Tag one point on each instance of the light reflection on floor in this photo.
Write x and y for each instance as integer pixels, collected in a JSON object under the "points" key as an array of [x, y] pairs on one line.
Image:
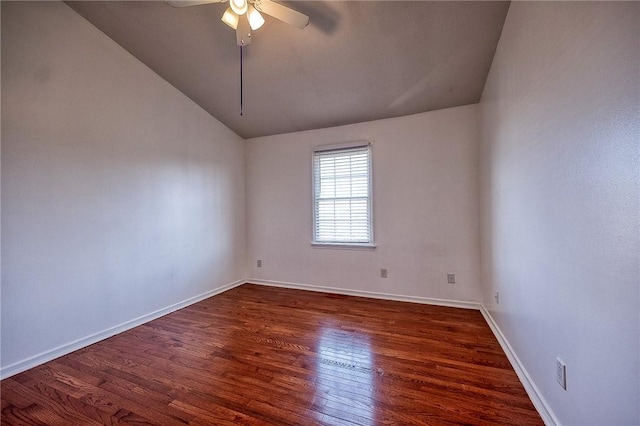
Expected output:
{"points": [[345, 381]]}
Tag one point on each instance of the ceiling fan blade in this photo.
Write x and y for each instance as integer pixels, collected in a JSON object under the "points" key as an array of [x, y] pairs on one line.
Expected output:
{"points": [[282, 13], [186, 3], [243, 32]]}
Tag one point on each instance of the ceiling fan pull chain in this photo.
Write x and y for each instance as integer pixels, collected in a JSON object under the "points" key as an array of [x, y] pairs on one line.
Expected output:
{"points": [[241, 80]]}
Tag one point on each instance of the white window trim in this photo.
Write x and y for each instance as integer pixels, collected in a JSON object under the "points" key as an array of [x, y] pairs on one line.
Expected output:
{"points": [[346, 245]]}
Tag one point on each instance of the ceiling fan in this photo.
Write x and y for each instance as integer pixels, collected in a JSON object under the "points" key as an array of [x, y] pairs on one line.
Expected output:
{"points": [[244, 15]]}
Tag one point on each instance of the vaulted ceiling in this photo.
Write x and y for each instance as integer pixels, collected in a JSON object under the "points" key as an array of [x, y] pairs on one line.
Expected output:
{"points": [[356, 61]]}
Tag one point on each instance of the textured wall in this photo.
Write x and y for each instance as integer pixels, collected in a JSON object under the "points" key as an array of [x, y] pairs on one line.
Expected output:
{"points": [[120, 196], [425, 207], [560, 202]]}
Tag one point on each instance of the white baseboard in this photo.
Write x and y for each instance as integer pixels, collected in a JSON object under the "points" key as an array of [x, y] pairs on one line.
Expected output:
{"points": [[537, 399], [369, 294], [67, 348]]}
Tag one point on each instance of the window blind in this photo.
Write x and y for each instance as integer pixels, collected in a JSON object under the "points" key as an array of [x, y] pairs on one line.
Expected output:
{"points": [[342, 195]]}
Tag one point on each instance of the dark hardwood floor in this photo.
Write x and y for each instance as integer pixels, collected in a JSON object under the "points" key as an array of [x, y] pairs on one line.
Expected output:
{"points": [[260, 355]]}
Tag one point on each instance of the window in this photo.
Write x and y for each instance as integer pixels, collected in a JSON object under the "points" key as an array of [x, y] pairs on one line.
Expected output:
{"points": [[342, 195]]}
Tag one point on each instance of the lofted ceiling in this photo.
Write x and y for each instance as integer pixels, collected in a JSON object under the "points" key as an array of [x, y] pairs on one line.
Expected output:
{"points": [[356, 61]]}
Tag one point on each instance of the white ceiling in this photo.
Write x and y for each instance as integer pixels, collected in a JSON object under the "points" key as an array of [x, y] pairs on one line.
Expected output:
{"points": [[356, 61]]}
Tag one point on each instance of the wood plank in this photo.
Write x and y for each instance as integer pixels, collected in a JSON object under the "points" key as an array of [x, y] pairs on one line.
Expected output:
{"points": [[260, 355]]}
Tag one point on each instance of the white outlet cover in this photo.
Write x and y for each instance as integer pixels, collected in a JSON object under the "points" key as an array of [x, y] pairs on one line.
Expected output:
{"points": [[561, 373]]}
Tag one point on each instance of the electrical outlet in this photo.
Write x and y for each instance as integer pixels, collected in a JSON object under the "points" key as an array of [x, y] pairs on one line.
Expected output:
{"points": [[259, 263], [497, 297], [383, 273], [451, 278], [561, 373]]}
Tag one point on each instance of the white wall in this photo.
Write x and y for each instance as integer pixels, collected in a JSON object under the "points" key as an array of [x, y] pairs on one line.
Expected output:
{"points": [[561, 193], [120, 196], [425, 208]]}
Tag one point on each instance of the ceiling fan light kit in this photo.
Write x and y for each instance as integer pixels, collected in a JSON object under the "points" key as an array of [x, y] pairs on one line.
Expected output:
{"points": [[234, 20], [244, 16]]}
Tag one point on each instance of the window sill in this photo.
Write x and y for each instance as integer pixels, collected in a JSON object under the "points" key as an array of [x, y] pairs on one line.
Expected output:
{"points": [[344, 246]]}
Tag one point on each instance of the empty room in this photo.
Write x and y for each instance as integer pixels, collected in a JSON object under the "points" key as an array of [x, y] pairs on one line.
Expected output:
{"points": [[320, 212]]}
